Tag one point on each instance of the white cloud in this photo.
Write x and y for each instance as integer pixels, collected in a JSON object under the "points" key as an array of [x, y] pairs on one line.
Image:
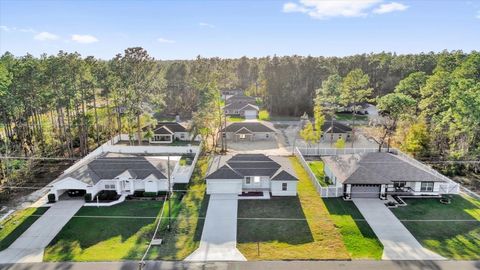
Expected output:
{"points": [[325, 9], [85, 39], [164, 40], [207, 25], [45, 36], [5, 28], [15, 29], [390, 7]]}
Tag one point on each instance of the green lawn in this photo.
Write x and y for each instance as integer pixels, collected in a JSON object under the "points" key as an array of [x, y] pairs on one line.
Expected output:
{"points": [[235, 119], [317, 169], [187, 227], [310, 235], [359, 238], [17, 223], [452, 231], [119, 232], [349, 117]]}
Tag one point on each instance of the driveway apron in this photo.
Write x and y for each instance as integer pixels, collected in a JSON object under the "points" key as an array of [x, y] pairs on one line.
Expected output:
{"points": [[398, 242], [30, 245], [219, 235]]}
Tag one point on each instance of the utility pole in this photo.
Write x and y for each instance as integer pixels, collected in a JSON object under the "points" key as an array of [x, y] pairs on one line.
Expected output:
{"points": [[169, 194]]}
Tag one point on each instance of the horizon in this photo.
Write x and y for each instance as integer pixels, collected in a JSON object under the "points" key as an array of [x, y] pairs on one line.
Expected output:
{"points": [[232, 29]]}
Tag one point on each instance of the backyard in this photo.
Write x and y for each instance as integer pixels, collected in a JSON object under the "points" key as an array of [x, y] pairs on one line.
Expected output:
{"points": [[17, 223], [451, 230], [359, 238], [119, 232], [289, 228], [317, 169]]}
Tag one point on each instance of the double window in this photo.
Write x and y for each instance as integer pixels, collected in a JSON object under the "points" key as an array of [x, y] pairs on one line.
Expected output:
{"points": [[109, 187], [426, 186], [399, 184]]}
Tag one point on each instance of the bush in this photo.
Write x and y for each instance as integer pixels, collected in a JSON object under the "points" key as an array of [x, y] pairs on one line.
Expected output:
{"points": [[138, 193], [107, 195], [149, 194], [88, 197], [51, 198], [264, 115]]}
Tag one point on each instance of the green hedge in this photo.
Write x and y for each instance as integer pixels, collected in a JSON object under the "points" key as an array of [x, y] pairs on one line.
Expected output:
{"points": [[149, 194], [88, 197]]}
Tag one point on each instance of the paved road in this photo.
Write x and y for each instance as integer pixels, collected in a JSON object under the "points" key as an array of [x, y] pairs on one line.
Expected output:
{"points": [[219, 235], [30, 245], [271, 265], [398, 242]]}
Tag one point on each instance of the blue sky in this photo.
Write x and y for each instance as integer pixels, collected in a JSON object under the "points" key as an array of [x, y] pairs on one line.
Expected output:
{"points": [[184, 29]]}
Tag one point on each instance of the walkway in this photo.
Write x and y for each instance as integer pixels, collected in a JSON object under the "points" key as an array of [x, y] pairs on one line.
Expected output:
{"points": [[30, 245], [219, 236], [398, 242]]}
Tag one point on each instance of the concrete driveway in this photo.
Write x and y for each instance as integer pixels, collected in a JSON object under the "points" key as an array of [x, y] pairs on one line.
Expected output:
{"points": [[219, 235], [30, 245], [398, 242]]}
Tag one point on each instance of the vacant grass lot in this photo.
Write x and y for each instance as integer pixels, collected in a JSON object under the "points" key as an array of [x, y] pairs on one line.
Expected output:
{"points": [[186, 231], [359, 238], [119, 232], [317, 169], [17, 223], [300, 227], [452, 231]]}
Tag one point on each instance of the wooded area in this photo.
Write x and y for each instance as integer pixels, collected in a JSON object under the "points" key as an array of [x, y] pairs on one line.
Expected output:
{"points": [[65, 105]]}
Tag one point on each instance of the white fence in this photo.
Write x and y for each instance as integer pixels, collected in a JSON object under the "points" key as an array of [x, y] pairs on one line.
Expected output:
{"points": [[324, 192], [449, 187]]}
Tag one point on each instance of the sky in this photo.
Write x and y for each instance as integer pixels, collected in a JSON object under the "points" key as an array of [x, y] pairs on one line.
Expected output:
{"points": [[180, 29]]}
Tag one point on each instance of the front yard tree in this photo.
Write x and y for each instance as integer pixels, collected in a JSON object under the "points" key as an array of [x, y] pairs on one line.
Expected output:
{"points": [[328, 96], [355, 90], [392, 108], [308, 134], [319, 120]]}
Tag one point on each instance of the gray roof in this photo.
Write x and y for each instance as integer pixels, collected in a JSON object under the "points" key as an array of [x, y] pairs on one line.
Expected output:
{"points": [[376, 168], [239, 105], [252, 126], [172, 126], [163, 131], [337, 127], [242, 165], [111, 165], [240, 97]]}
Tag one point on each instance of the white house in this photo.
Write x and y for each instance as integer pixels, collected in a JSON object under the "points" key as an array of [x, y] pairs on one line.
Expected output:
{"points": [[253, 173], [168, 132], [248, 131], [376, 175], [123, 173]]}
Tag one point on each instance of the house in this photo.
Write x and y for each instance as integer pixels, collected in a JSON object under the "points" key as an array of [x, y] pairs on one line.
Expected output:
{"points": [[168, 132], [376, 175], [122, 173], [253, 173], [332, 131], [248, 131], [241, 105]]}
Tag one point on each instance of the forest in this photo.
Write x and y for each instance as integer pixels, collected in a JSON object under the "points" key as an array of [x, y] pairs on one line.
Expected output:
{"points": [[56, 108]]}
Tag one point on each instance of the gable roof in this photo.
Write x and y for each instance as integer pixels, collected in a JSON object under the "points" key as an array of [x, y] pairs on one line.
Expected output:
{"points": [[250, 107], [243, 131], [172, 126], [242, 165], [238, 105], [163, 130], [252, 126], [376, 168], [337, 127]]}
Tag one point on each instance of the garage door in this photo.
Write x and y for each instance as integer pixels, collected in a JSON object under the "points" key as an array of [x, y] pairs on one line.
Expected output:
{"points": [[214, 187], [365, 191], [250, 114]]}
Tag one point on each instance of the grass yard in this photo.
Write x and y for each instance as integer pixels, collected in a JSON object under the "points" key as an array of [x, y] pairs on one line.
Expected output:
{"points": [[452, 231], [359, 238], [310, 235], [317, 169], [349, 117], [186, 231], [235, 119], [17, 223], [119, 232]]}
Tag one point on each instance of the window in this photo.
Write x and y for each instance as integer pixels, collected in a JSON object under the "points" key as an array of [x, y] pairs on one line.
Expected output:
{"points": [[426, 186], [224, 135], [248, 180], [256, 179], [284, 186], [399, 184], [266, 135], [242, 136], [109, 187], [182, 136]]}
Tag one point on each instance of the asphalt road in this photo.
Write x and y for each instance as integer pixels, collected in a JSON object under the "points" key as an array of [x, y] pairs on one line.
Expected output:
{"points": [[271, 265]]}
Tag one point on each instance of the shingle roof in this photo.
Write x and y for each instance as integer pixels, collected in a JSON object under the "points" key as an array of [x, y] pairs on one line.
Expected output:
{"points": [[224, 172], [172, 126], [376, 168], [238, 106], [162, 131], [284, 176], [252, 126], [337, 127]]}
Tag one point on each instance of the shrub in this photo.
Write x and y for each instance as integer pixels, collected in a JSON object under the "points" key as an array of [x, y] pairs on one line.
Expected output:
{"points": [[138, 193], [88, 197], [264, 115], [51, 198], [149, 194]]}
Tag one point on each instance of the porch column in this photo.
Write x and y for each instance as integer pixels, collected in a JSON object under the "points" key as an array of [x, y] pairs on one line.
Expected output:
{"points": [[383, 195]]}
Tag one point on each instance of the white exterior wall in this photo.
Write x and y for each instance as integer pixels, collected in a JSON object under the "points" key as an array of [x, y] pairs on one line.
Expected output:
{"points": [[223, 186], [276, 188], [186, 136], [264, 183]]}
